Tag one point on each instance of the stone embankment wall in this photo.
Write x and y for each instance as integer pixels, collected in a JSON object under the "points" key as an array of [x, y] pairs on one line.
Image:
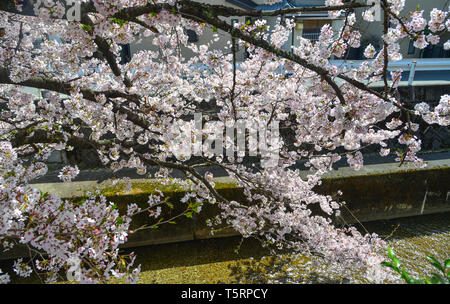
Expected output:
{"points": [[382, 191]]}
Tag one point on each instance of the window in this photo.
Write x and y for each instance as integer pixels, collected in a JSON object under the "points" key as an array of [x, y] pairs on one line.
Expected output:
{"points": [[311, 28], [125, 54], [192, 36], [411, 48]]}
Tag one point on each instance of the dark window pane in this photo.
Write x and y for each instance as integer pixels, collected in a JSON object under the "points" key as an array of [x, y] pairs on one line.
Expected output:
{"points": [[125, 54], [192, 36]]}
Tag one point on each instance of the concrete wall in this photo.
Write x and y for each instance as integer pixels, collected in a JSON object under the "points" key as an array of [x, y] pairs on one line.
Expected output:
{"points": [[376, 192]]}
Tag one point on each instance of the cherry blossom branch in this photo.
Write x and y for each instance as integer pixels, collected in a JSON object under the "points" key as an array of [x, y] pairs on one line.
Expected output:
{"points": [[66, 88], [103, 46], [236, 33]]}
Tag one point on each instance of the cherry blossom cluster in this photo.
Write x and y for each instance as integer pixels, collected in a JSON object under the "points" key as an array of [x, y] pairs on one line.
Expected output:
{"points": [[126, 112], [56, 230]]}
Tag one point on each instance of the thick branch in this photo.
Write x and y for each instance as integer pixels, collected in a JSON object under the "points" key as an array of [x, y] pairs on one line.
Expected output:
{"points": [[188, 6], [66, 88]]}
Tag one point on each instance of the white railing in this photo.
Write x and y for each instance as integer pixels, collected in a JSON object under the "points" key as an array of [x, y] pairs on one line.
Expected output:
{"points": [[421, 64], [411, 65]]}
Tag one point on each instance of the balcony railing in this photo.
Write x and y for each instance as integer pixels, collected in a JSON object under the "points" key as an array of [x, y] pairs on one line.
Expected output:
{"points": [[311, 36]]}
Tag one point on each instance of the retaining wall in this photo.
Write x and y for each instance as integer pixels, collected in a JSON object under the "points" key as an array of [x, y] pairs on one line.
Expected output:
{"points": [[376, 192]]}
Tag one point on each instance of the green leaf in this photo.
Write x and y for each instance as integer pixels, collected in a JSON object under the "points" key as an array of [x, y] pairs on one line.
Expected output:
{"points": [[189, 214], [447, 263], [396, 262], [390, 265], [406, 277], [437, 279], [416, 281], [436, 263], [120, 22], [119, 220], [434, 280], [195, 207], [394, 258], [86, 27], [391, 253], [386, 264]]}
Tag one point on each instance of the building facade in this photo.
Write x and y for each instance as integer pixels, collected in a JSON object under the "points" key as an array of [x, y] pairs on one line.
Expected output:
{"points": [[308, 25]]}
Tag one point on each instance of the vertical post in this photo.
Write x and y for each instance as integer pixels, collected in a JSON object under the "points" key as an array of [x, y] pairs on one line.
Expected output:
{"points": [[298, 32], [412, 72]]}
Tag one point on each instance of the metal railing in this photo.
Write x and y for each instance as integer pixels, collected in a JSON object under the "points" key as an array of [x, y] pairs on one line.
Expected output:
{"points": [[311, 36]]}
